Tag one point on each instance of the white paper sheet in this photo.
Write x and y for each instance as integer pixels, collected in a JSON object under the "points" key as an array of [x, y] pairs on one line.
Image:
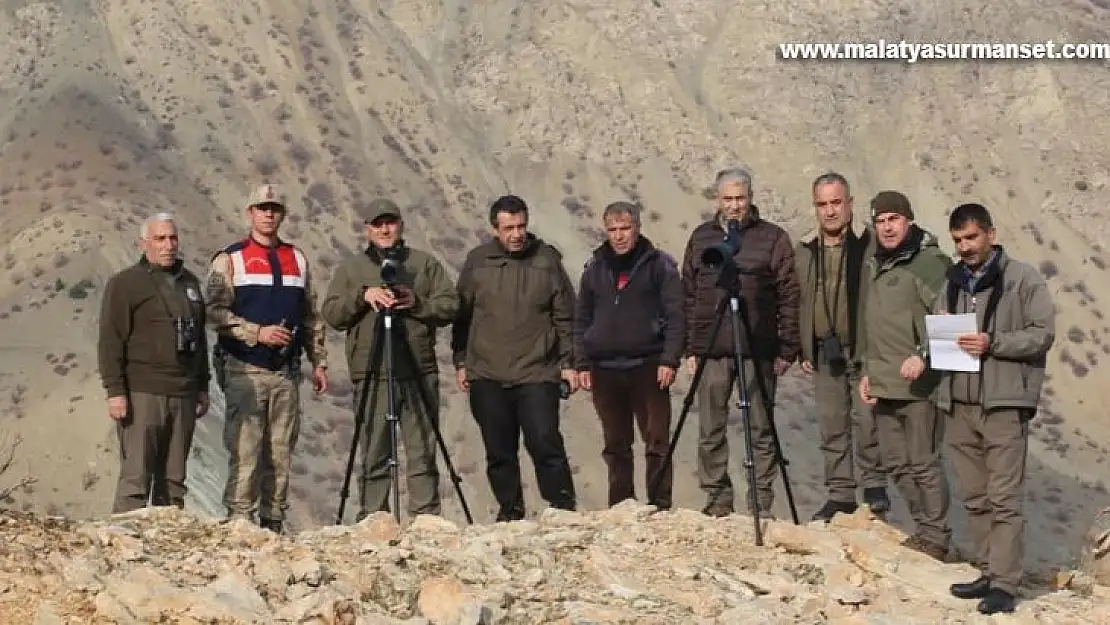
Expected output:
{"points": [[944, 353]]}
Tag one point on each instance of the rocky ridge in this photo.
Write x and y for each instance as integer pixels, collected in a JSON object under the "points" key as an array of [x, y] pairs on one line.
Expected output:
{"points": [[628, 564]]}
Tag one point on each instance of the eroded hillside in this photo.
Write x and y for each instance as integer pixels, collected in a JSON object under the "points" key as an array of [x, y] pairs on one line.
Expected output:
{"points": [[117, 108]]}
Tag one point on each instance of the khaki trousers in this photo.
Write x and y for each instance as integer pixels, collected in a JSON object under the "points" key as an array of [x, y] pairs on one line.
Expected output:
{"points": [[845, 419], [988, 454], [416, 437], [714, 392], [908, 438]]}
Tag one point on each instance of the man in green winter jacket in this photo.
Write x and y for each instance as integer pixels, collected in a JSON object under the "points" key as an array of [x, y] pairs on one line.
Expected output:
{"points": [[423, 298], [903, 279]]}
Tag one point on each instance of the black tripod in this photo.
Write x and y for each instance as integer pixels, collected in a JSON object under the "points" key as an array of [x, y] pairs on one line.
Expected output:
{"points": [[383, 347], [729, 280]]}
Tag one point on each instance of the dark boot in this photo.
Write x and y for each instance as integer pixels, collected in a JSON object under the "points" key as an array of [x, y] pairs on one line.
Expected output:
{"points": [[971, 590], [997, 600], [876, 499], [274, 525], [831, 508]]}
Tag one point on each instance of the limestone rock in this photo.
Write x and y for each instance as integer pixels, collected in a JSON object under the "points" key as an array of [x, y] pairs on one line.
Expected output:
{"points": [[629, 564]]}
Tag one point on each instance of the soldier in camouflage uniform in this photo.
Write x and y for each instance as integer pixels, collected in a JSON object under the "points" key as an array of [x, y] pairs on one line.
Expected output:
{"points": [[262, 303]]}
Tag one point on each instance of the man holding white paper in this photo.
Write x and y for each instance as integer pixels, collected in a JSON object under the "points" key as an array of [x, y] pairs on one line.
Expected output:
{"points": [[903, 278], [989, 409]]}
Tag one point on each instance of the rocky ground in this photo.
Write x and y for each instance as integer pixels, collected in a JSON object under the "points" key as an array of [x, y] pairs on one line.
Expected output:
{"points": [[624, 565]]}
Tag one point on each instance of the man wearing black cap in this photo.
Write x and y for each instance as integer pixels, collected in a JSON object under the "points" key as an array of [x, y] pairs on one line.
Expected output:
{"points": [[423, 297], [903, 279]]}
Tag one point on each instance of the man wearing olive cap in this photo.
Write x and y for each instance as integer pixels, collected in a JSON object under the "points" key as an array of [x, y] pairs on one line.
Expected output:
{"points": [[903, 278], [262, 304], [423, 298]]}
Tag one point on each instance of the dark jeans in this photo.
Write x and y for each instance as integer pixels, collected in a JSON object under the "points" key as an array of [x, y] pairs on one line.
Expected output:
{"points": [[626, 399], [503, 414]]}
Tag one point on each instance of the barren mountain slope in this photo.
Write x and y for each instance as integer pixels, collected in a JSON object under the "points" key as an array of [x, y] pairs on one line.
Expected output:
{"points": [[115, 109]]}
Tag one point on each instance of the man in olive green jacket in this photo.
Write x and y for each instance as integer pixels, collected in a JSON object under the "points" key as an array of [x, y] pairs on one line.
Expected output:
{"points": [[830, 267], [513, 345], [903, 279], [989, 411], [423, 298]]}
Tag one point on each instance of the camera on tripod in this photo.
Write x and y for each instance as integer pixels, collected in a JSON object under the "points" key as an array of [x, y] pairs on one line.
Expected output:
{"points": [[392, 267], [716, 255], [185, 335]]}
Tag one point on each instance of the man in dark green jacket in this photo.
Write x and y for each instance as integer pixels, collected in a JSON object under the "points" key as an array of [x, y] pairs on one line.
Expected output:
{"points": [[423, 298], [513, 344], [989, 411], [903, 279], [153, 364]]}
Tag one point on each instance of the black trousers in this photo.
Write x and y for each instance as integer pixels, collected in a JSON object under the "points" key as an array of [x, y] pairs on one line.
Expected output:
{"points": [[503, 415]]}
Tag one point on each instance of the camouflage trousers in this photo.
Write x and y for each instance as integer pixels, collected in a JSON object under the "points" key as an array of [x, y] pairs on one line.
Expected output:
{"points": [[261, 426]]}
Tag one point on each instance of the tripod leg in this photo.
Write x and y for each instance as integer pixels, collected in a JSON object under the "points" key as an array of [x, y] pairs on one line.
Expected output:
{"points": [[687, 403], [745, 412], [391, 414], [425, 409], [360, 415], [768, 406]]}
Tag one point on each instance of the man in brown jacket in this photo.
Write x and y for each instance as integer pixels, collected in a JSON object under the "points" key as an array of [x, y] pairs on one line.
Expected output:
{"points": [[989, 411], [770, 293], [829, 268], [628, 339], [512, 343], [153, 361]]}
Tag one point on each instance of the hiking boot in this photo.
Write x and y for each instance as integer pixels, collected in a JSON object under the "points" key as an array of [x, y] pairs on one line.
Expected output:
{"points": [[876, 499], [274, 525], [971, 590], [929, 548], [831, 508], [717, 510], [997, 600]]}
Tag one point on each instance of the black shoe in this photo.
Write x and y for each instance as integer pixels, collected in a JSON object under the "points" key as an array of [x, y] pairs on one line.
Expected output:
{"points": [[971, 590], [831, 508], [876, 499], [274, 525], [997, 600]]}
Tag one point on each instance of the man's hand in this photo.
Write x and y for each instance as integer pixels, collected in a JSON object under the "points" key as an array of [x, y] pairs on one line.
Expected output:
{"points": [[461, 381], [319, 380], [781, 366], [117, 407], [974, 344], [571, 376], [913, 367], [379, 298], [865, 391], [275, 336], [585, 380], [405, 298], [807, 367], [665, 377], [692, 364], [203, 404]]}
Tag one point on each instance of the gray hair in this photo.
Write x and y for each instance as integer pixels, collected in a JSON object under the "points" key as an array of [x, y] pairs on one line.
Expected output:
{"points": [[144, 229], [832, 178], [622, 208], [734, 174]]}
